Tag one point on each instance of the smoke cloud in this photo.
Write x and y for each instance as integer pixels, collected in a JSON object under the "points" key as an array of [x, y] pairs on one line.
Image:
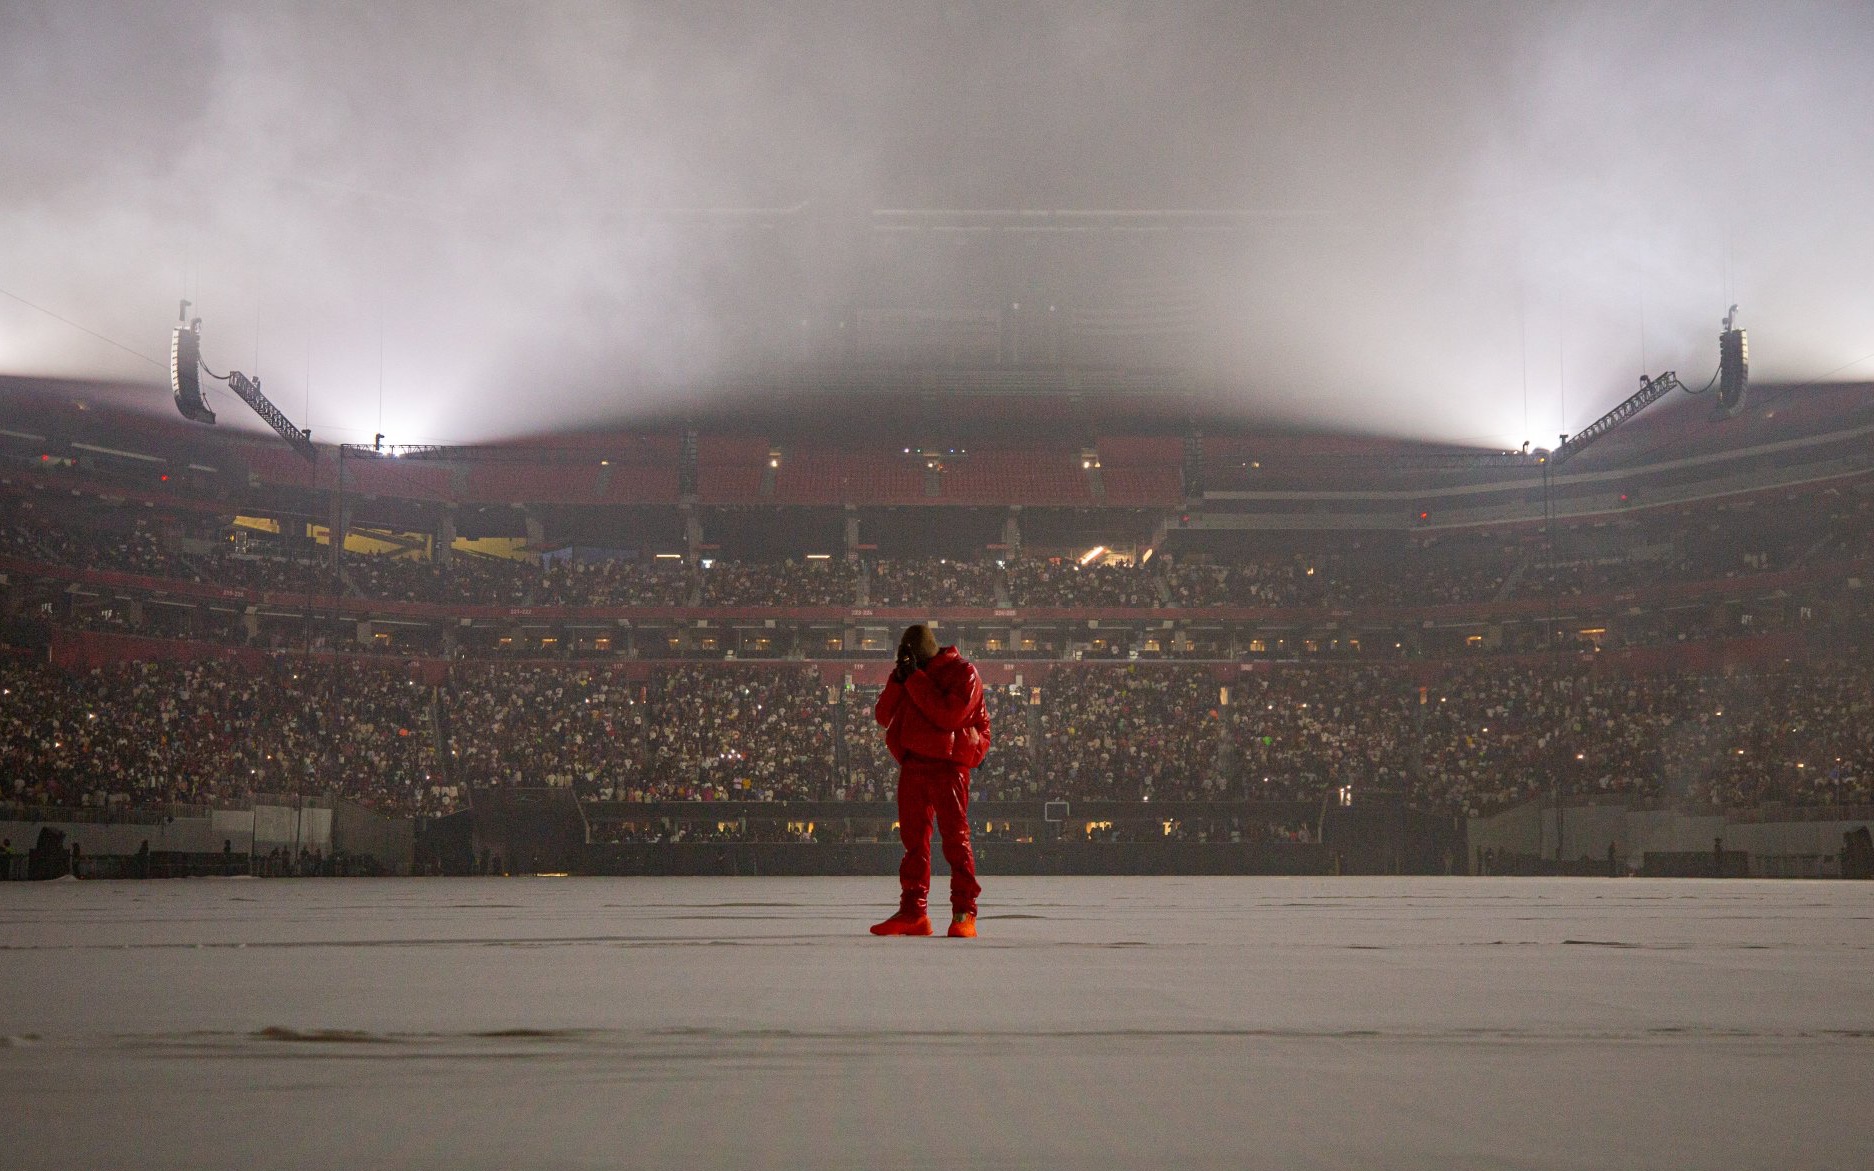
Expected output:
{"points": [[1475, 222]]}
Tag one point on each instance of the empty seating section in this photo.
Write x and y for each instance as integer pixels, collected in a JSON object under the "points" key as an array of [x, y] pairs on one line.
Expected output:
{"points": [[531, 483], [280, 468], [602, 470], [1143, 487], [399, 479], [1044, 477], [1136, 451], [1143, 471], [809, 476], [729, 469], [643, 470], [1227, 462], [642, 484]]}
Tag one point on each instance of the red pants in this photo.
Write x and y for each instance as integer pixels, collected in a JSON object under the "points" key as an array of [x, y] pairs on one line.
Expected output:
{"points": [[927, 789]]}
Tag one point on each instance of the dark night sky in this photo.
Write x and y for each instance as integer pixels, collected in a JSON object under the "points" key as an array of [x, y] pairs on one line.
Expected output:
{"points": [[1468, 218]]}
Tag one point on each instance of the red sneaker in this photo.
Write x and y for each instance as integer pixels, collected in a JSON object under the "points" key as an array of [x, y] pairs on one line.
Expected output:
{"points": [[963, 926], [904, 923]]}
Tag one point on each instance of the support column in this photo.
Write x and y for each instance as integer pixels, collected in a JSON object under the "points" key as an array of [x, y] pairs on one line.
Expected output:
{"points": [[340, 529], [339, 522], [692, 533], [1012, 531], [445, 538]]}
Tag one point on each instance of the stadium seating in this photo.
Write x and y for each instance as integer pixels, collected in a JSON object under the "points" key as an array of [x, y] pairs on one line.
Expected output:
{"points": [[1684, 633], [1046, 476], [1471, 738], [729, 469], [814, 476]]}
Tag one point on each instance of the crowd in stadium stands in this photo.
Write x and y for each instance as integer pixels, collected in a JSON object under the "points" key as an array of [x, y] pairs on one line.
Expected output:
{"points": [[542, 726], [1251, 584], [1419, 578], [1335, 581], [1011, 772], [749, 735], [281, 575], [691, 734], [612, 582], [932, 582], [152, 734], [466, 579], [1478, 738], [1063, 581], [1131, 734], [1293, 734], [1431, 572], [870, 774], [1007, 775], [813, 582], [1822, 720], [137, 550], [1559, 573]]}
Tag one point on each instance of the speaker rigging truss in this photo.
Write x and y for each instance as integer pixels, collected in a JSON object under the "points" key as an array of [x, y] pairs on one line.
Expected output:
{"points": [[1732, 381], [186, 368]]}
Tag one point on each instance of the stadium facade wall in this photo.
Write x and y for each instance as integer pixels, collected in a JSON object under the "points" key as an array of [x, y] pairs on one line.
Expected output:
{"points": [[79, 651], [1578, 836], [342, 826], [182, 835], [390, 840]]}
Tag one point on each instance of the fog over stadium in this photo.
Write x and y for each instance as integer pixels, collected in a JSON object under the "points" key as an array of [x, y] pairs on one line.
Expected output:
{"points": [[1471, 222]]}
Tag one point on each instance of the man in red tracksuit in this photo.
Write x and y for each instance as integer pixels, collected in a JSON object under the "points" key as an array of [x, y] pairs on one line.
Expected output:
{"points": [[937, 731]]}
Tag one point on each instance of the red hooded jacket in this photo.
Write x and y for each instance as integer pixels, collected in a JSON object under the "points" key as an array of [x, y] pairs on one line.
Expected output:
{"points": [[936, 713]]}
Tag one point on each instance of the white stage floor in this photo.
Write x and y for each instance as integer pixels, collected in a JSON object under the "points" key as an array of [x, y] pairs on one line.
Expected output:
{"points": [[1098, 1022]]}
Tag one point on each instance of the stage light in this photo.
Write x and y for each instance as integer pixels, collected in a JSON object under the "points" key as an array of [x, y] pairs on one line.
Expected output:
{"points": [[1093, 554]]}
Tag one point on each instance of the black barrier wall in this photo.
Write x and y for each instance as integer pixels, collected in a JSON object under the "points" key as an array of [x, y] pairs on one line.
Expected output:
{"points": [[753, 859]]}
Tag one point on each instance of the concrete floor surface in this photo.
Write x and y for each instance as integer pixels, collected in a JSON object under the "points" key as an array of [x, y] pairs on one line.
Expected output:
{"points": [[1098, 1022]]}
